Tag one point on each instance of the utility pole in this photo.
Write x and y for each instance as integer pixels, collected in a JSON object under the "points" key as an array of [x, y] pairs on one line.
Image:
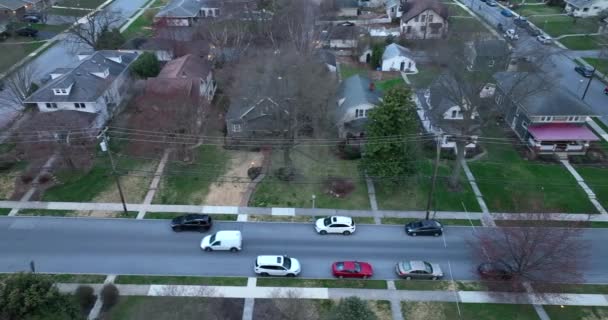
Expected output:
{"points": [[105, 147], [588, 83], [438, 137]]}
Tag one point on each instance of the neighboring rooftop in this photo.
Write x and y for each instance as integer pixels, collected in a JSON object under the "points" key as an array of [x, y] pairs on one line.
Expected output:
{"points": [[549, 100], [413, 8], [12, 4], [395, 50], [188, 66]]}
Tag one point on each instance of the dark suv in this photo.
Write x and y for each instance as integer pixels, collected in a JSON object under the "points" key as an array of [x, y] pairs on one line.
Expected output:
{"points": [[192, 222], [584, 71], [424, 228]]}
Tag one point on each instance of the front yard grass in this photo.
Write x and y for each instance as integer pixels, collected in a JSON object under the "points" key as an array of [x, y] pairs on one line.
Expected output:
{"points": [[183, 280], [583, 42], [576, 312], [511, 184], [478, 311], [456, 10], [142, 26], [89, 4], [528, 11], [385, 85], [413, 193], [445, 222], [322, 283], [315, 166], [600, 64], [4, 211], [13, 52], [349, 70], [69, 277], [597, 180], [466, 25], [559, 25], [189, 183]]}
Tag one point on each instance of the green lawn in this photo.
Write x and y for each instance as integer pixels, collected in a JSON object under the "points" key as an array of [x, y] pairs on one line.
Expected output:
{"points": [[183, 280], [347, 70], [89, 4], [164, 308], [189, 183], [511, 184], [314, 164], [583, 42], [69, 12], [535, 10], [69, 278], [413, 194], [456, 10], [463, 26], [67, 213], [321, 283], [384, 85], [600, 64], [597, 180], [576, 313], [171, 215], [560, 25], [142, 26], [425, 76], [445, 222], [43, 27], [4, 211], [553, 224], [13, 52], [477, 311]]}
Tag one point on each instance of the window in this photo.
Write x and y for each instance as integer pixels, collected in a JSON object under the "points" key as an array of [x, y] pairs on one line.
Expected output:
{"points": [[430, 18], [366, 110], [546, 119], [416, 19], [51, 105], [409, 29], [454, 114], [572, 119], [491, 63], [423, 28], [236, 127], [79, 105], [499, 98], [524, 125], [359, 113], [423, 18], [585, 9]]}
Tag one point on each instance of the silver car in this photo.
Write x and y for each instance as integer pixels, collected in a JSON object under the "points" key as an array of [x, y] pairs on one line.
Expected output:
{"points": [[418, 270]]}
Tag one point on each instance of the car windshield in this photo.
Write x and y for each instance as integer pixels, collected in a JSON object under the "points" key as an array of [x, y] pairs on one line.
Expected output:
{"points": [[327, 221], [428, 267], [417, 224], [340, 266], [287, 263], [212, 239]]}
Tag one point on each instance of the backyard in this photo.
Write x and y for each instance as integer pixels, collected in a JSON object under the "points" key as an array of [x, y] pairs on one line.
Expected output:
{"points": [[316, 167], [509, 183], [477, 311], [559, 25]]}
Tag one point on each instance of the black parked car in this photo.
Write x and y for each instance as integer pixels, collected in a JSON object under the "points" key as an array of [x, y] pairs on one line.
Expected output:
{"points": [[424, 228], [521, 21], [584, 71], [27, 32], [495, 271], [491, 3], [31, 18], [196, 222]]}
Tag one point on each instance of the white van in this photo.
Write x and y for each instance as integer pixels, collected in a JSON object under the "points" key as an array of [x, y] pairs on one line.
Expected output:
{"points": [[223, 240]]}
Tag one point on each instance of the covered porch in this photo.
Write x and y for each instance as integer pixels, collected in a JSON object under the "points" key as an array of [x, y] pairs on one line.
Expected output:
{"points": [[567, 138]]}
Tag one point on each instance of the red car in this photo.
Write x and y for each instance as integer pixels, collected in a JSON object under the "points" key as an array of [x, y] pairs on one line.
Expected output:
{"points": [[352, 269]]}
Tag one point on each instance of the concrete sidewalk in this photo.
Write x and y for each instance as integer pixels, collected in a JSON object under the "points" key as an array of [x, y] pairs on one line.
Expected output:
{"points": [[337, 293], [108, 206]]}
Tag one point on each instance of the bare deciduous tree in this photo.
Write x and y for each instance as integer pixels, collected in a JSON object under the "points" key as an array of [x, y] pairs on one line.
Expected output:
{"points": [[538, 253], [18, 86], [93, 27]]}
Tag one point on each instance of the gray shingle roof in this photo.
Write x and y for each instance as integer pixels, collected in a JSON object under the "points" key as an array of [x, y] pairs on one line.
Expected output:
{"points": [[12, 4], [413, 8], [356, 91], [580, 3], [86, 87], [554, 101], [395, 50]]}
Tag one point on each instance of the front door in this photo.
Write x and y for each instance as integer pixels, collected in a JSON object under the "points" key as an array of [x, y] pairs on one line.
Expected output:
{"points": [[402, 66], [368, 58]]}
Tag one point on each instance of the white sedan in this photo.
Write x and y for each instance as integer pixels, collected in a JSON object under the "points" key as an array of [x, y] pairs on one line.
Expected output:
{"points": [[544, 39], [335, 224]]}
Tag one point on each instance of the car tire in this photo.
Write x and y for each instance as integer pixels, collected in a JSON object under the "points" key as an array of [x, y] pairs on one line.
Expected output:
{"points": [[365, 277], [322, 232], [208, 249], [177, 229], [290, 275], [234, 249], [414, 234], [434, 278], [341, 277], [264, 274], [437, 234], [346, 233], [408, 278]]}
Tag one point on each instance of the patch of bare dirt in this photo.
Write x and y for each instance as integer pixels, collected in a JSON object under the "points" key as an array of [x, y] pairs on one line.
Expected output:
{"points": [[382, 309], [229, 193], [7, 183], [425, 311]]}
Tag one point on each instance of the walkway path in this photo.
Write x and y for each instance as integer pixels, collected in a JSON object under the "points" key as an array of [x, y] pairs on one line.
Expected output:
{"points": [[154, 184], [94, 313], [581, 182], [486, 218], [371, 193], [28, 195]]}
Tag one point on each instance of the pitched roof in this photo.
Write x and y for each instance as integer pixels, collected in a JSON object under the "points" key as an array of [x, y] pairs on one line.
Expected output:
{"points": [[86, 87], [580, 3], [180, 9], [188, 66], [12, 4], [343, 32], [356, 91], [395, 50], [413, 8], [553, 101], [326, 57]]}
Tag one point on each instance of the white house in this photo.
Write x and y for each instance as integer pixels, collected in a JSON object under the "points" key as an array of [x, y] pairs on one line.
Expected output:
{"points": [[97, 84], [586, 8], [356, 96], [424, 19], [398, 58], [393, 9]]}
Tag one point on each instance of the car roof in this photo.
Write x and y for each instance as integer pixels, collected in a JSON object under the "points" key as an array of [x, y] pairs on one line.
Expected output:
{"points": [[270, 260], [341, 219], [196, 216], [228, 233], [417, 265]]}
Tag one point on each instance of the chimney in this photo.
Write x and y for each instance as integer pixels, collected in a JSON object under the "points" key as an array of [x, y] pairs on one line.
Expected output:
{"points": [[372, 86]]}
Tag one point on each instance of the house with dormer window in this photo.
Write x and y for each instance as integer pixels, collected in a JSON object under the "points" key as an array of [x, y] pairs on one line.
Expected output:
{"points": [[97, 85], [357, 95], [424, 19]]}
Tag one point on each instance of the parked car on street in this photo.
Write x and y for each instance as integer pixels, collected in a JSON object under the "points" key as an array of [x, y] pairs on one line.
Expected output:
{"points": [[506, 12], [533, 31], [585, 71], [4, 35], [277, 266], [520, 21], [352, 269], [511, 35], [500, 27], [418, 269], [429, 227], [335, 224], [495, 271], [31, 18], [544, 39], [27, 32], [491, 3], [223, 240], [192, 222]]}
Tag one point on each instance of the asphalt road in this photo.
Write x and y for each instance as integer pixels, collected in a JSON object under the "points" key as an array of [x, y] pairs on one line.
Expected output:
{"points": [[126, 246]]}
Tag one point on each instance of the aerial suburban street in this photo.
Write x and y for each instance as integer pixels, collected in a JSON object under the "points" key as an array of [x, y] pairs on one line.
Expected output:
{"points": [[122, 246]]}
